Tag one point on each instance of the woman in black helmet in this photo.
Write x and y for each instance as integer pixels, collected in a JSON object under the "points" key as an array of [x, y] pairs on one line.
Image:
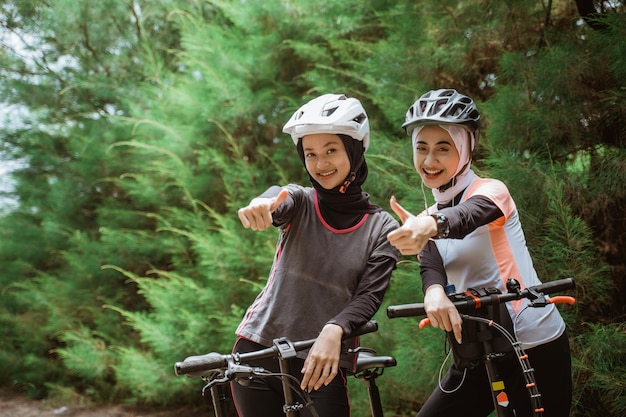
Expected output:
{"points": [[472, 238], [332, 264]]}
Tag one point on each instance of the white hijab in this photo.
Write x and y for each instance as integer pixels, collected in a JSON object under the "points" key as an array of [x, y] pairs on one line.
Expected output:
{"points": [[461, 179]]}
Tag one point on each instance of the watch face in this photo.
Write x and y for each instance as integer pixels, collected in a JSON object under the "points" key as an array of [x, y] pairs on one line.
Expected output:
{"points": [[443, 229]]}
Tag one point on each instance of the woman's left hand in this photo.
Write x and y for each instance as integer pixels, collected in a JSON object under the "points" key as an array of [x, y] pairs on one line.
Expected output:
{"points": [[322, 363]]}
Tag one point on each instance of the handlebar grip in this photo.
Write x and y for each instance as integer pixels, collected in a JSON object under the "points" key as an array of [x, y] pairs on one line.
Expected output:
{"points": [[406, 310], [556, 286], [196, 366], [562, 299], [369, 327]]}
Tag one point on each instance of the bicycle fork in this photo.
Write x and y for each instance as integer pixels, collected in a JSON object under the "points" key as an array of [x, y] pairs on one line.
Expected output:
{"points": [[219, 400], [496, 383], [286, 351]]}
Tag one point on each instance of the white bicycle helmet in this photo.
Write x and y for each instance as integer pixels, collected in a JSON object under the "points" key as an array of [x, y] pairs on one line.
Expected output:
{"points": [[330, 113], [443, 107]]}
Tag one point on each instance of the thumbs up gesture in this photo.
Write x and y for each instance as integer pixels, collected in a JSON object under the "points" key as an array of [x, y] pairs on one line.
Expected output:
{"points": [[258, 214], [412, 236]]}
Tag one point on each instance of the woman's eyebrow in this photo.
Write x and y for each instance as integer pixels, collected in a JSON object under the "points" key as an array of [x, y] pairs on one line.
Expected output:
{"points": [[441, 142], [330, 143]]}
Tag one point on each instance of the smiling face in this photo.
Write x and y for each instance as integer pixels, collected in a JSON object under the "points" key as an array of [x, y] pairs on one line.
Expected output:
{"points": [[326, 159], [435, 156]]}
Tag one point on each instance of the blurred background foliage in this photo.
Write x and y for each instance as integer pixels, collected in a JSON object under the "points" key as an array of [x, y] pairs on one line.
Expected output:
{"points": [[133, 130]]}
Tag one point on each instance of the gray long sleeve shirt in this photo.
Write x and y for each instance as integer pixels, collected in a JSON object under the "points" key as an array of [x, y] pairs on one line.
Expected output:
{"points": [[321, 275]]}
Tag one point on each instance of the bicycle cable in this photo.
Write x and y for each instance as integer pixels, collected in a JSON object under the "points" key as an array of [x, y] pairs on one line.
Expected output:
{"points": [[445, 391], [294, 385]]}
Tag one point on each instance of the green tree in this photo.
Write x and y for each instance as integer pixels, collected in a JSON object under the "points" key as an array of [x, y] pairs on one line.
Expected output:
{"points": [[71, 71]]}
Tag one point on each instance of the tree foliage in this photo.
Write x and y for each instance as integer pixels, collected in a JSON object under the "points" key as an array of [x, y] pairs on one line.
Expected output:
{"points": [[139, 129]]}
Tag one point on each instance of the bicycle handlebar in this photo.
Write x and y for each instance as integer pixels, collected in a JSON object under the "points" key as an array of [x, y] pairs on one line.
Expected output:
{"points": [[194, 366], [465, 303]]}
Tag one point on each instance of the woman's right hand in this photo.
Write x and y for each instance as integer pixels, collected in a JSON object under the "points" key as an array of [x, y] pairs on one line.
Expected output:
{"points": [[442, 312], [258, 214], [322, 363]]}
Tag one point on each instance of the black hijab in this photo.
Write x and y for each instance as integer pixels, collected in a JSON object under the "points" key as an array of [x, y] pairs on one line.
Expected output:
{"points": [[343, 206]]}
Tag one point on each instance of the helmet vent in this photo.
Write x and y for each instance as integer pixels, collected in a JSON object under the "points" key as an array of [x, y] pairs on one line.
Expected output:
{"points": [[439, 105], [328, 112], [457, 110], [360, 118]]}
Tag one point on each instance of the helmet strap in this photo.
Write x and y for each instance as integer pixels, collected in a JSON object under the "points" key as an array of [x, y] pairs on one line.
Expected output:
{"points": [[447, 185], [453, 179], [347, 182]]}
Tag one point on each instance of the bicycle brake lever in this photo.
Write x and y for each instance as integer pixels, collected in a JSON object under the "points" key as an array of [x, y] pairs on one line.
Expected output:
{"points": [[537, 299], [234, 371], [214, 381], [243, 371], [361, 349]]}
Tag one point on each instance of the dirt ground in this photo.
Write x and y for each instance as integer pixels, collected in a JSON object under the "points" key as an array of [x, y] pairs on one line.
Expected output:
{"points": [[16, 405]]}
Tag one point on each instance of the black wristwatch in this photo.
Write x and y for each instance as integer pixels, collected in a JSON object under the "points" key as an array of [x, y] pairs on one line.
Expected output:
{"points": [[443, 228]]}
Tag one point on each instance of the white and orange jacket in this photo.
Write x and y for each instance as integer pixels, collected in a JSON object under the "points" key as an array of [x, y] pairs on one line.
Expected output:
{"points": [[485, 247]]}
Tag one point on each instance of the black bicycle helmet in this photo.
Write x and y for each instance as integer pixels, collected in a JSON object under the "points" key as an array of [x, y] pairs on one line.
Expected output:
{"points": [[443, 107]]}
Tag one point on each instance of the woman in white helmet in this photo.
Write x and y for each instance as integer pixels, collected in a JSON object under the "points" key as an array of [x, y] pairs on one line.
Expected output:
{"points": [[332, 264], [472, 238]]}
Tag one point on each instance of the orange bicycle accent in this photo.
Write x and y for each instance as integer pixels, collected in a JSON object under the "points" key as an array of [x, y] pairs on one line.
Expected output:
{"points": [[562, 299]]}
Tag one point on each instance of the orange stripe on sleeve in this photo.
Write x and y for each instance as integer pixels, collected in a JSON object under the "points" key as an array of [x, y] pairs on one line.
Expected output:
{"points": [[504, 258]]}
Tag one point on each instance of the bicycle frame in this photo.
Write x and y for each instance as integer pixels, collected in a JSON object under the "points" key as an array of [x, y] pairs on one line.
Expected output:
{"points": [[225, 368], [468, 302]]}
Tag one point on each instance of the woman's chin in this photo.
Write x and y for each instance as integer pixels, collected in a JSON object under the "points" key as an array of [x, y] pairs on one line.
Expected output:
{"points": [[433, 183], [327, 185]]}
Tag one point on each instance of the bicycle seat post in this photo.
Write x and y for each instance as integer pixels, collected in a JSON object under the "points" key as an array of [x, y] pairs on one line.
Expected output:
{"points": [[286, 351], [368, 378], [368, 368]]}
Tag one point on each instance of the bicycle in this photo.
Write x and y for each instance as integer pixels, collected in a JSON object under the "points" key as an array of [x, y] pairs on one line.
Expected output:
{"points": [[472, 301], [217, 369]]}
